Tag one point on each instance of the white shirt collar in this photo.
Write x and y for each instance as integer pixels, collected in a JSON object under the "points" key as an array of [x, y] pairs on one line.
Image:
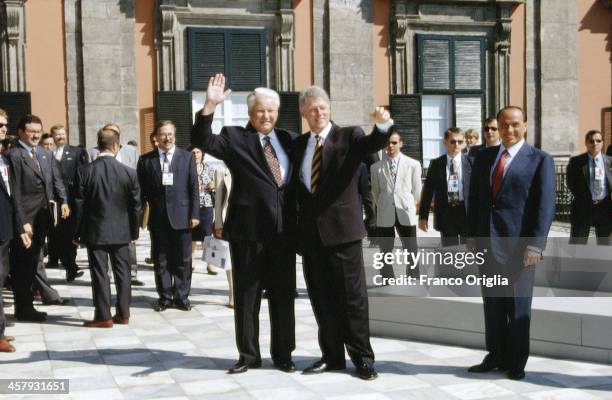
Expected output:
{"points": [[323, 134], [271, 135], [27, 147], [169, 153], [514, 148], [456, 157], [393, 159]]}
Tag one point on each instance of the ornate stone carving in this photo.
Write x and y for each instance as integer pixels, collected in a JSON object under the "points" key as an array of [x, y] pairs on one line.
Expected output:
{"points": [[165, 46], [284, 51], [12, 45]]}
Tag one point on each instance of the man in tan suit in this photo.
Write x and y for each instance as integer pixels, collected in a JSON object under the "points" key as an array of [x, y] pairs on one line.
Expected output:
{"points": [[396, 188], [223, 186]]}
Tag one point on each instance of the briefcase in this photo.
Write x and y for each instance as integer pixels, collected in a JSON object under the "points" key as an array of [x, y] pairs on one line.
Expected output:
{"points": [[216, 252]]}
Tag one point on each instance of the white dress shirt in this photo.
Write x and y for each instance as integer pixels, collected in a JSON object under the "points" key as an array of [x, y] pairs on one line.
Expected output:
{"points": [[281, 155], [512, 150], [169, 155], [4, 171], [58, 152]]}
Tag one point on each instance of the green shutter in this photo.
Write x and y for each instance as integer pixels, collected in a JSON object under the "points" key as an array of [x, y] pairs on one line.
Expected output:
{"points": [[16, 104], [207, 56], [434, 63], [247, 60], [468, 64], [289, 117], [240, 54], [176, 106], [406, 114]]}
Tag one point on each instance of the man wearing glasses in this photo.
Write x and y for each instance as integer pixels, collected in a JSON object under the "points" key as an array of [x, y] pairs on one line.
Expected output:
{"points": [[396, 189], [490, 135], [448, 183], [589, 178]]}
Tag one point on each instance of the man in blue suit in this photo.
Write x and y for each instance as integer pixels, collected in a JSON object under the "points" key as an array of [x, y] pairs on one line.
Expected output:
{"points": [[512, 202], [169, 183]]}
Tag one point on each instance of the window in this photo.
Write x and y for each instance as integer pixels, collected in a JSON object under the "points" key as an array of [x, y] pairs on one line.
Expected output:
{"points": [[240, 54]]}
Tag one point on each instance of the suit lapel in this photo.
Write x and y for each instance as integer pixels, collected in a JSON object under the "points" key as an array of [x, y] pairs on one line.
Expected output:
{"points": [[327, 154], [2, 184], [30, 162], [285, 140], [585, 170], [156, 167], [466, 171], [518, 163]]}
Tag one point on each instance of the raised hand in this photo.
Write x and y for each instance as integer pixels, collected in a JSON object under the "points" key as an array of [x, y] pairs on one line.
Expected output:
{"points": [[381, 116], [215, 93]]}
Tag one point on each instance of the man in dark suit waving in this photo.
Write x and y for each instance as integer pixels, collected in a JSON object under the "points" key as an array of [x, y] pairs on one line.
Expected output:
{"points": [[69, 159], [37, 181], [259, 220], [589, 178], [330, 226], [107, 207], [512, 202], [169, 183]]}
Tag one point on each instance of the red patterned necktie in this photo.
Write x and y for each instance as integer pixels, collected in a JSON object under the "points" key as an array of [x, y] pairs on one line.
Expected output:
{"points": [[272, 161], [498, 174]]}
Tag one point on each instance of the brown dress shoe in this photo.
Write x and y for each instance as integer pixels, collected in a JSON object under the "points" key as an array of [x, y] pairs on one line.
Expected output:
{"points": [[107, 323], [6, 347], [120, 320]]}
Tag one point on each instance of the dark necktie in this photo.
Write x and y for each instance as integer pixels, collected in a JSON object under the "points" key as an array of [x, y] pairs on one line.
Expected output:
{"points": [[393, 170], [316, 164], [272, 161], [35, 159], [498, 174]]}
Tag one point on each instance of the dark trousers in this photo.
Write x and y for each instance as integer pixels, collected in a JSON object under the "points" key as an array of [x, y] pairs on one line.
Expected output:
{"points": [[42, 285], [24, 263], [599, 216], [335, 278], [60, 245], [133, 261], [507, 318], [4, 270], [269, 266], [172, 265], [100, 281], [453, 228], [407, 234]]}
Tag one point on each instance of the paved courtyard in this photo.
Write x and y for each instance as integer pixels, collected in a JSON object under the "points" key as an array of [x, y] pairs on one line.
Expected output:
{"points": [[184, 355]]}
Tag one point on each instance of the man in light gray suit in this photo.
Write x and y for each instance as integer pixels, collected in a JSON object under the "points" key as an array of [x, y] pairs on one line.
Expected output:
{"points": [[396, 188]]}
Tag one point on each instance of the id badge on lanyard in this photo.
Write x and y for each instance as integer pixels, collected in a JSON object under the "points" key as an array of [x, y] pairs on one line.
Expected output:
{"points": [[167, 176], [453, 183]]}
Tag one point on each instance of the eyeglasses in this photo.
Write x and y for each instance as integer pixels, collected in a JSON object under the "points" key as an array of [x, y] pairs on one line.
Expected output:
{"points": [[3, 125], [454, 141], [490, 128], [593, 141], [393, 143]]}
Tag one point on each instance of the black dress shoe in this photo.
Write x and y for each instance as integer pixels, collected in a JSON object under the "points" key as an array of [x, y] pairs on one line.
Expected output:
{"points": [[285, 366], [183, 306], [31, 316], [56, 302], [160, 307], [516, 375], [136, 282], [488, 364], [242, 366], [72, 275], [321, 366], [366, 372]]}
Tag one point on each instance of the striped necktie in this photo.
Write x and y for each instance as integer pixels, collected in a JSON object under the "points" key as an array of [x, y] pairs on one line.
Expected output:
{"points": [[316, 164]]}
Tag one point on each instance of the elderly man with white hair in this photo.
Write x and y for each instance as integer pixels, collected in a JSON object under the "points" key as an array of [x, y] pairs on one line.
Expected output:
{"points": [[259, 221]]}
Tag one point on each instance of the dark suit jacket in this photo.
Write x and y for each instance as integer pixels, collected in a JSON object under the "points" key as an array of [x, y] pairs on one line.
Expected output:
{"points": [[257, 207], [34, 188], [10, 225], [578, 179], [335, 208], [524, 207], [436, 187], [72, 158], [177, 204], [107, 203], [609, 150], [475, 149]]}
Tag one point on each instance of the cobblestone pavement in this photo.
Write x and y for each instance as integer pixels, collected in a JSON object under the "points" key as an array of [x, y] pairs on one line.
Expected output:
{"points": [[184, 355]]}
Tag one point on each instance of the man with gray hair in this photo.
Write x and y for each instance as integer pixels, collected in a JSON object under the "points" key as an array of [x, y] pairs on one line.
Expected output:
{"points": [[260, 220], [330, 229]]}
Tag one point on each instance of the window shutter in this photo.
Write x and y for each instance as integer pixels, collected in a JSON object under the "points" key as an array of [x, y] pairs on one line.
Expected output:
{"points": [[434, 63], [469, 65], [406, 114], [16, 104], [206, 56], [289, 117], [176, 106], [247, 65], [469, 112]]}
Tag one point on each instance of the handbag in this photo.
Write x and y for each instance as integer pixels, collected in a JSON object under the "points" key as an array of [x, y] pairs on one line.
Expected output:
{"points": [[216, 252]]}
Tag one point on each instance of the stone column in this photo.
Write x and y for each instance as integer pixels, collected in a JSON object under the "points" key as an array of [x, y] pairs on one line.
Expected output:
{"points": [[501, 58], [74, 72], [284, 49], [350, 61], [12, 46]]}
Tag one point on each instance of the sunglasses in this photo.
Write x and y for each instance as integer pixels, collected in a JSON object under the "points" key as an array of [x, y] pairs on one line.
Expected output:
{"points": [[3, 125], [393, 142], [593, 141], [453, 141], [490, 128]]}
